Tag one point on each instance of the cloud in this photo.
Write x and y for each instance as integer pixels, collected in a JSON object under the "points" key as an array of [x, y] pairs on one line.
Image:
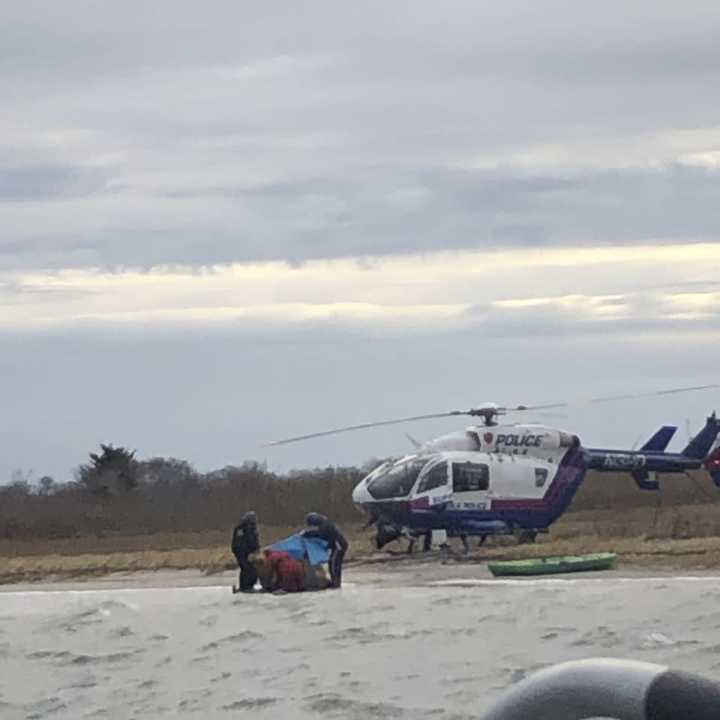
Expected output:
{"points": [[578, 316], [322, 208], [364, 216], [515, 291], [166, 135], [38, 183]]}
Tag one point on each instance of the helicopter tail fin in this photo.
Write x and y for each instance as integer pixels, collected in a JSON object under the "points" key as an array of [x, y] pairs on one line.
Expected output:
{"points": [[660, 440], [702, 443]]}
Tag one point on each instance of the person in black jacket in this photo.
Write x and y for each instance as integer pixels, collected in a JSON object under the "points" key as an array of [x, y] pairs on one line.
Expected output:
{"points": [[245, 541], [319, 526]]}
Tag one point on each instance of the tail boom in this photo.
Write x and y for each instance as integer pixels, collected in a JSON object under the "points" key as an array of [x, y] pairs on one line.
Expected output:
{"points": [[644, 465]]}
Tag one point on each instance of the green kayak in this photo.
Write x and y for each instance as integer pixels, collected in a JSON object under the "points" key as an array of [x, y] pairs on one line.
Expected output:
{"points": [[550, 565]]}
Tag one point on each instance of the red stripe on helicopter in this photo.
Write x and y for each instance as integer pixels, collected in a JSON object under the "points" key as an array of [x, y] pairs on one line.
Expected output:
{"points": [[421, 503]]}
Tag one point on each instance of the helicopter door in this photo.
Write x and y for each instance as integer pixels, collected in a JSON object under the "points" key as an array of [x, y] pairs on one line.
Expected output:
{"points": [[471, 485], [435, 486]]}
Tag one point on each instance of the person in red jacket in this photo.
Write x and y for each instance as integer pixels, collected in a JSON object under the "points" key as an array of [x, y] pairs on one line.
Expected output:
{"points": [[289, 574]]}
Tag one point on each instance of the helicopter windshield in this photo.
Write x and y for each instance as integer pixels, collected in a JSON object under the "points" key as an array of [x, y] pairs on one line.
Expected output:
{"points": [[397, 481]]}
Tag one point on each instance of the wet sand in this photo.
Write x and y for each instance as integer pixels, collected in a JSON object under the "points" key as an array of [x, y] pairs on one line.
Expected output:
{"points": [[406, 639]]}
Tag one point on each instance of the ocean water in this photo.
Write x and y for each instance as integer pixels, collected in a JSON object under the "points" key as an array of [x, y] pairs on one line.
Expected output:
{"points": [[378, 648]]}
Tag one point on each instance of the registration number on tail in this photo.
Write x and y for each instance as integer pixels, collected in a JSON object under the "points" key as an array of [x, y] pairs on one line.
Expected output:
{"points": [[624, 462]]}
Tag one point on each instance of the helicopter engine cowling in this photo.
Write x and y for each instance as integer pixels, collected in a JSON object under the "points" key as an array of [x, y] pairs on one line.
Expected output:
{"points": [[462, 441], [511, 439], [524, 440]]}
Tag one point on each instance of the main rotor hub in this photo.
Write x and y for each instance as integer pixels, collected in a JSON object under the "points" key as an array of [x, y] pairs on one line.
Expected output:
{"points": [[487, 413]]}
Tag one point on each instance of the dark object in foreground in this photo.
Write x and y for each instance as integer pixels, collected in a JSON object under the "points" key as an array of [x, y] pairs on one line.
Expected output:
{"points": [[609, 688]]}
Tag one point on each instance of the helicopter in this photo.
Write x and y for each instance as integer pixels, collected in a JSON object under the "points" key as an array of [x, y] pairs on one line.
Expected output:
{"points": [[507, 479]]}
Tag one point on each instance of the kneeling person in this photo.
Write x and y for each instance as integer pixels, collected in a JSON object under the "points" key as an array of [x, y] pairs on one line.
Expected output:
{"points": [[319, 526]]}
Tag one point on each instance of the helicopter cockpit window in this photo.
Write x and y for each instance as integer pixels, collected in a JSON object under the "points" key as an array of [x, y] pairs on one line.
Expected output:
{"points": [[397, 481], [436, 477], [470, 477], [541, 475]]}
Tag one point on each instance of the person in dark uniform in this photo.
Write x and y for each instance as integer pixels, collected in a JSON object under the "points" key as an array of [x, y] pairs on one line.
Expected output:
{"points": [[245, 541], [319, 526]]}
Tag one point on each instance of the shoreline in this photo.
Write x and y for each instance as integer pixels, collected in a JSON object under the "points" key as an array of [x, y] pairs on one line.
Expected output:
{"points": [[216, 562], [428, 573]]}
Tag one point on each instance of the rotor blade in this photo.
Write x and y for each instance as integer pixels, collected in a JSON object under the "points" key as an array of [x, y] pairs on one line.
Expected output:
{"points": [[544, 416], [613, 398], [485, 411], [364, 426], [654, 393], [534, 408]]}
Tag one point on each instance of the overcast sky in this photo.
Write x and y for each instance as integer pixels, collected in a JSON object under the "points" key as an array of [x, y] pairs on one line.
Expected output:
{"points": [[226, 222]]}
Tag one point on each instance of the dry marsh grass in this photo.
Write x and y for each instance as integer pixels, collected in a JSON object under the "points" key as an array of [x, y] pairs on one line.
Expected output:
{"points": [[679, 527], [681, 537]]}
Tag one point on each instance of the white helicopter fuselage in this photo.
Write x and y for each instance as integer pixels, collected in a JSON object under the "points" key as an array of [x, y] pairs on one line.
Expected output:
{"points": [[482, 480]]}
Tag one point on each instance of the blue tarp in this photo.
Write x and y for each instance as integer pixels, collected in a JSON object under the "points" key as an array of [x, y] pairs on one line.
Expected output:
{"points": [[314, 550]]}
